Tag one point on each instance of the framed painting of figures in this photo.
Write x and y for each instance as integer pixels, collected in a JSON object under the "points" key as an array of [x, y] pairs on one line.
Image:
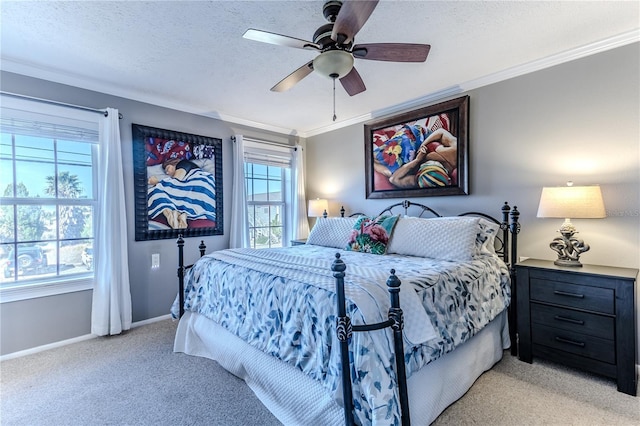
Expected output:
{"points": [[421, 153], [177, 184]]}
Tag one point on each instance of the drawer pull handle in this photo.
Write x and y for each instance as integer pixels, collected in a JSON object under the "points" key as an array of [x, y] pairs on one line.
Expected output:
{"points": [[571, 320], [571, 342], [565, 293]]}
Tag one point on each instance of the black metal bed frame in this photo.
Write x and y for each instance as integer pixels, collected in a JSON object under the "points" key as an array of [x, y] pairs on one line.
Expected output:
{"points": [[182, 269], [344, 328], [507, 249]]}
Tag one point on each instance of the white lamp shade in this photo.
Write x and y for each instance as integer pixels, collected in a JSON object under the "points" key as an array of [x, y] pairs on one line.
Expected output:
{"points": [[317, 207], [575, 202]]}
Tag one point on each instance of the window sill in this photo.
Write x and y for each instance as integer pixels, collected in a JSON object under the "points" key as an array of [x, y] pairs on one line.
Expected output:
{"points": [[23, 291]]}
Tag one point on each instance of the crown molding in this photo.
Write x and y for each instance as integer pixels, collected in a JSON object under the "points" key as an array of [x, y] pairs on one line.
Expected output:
{"points": [[394, 109], [557, 59], [516, 71], [537, 65], [77, 80]]}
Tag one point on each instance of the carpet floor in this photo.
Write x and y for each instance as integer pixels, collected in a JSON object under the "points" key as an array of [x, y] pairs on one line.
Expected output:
{"points": [[136, 379]]}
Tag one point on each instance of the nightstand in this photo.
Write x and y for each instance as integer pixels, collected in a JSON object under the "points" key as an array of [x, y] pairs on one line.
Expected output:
{"points": [[584, 317], [299, 242]]}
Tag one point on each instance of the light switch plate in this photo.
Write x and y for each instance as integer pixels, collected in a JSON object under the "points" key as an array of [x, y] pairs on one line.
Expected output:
{"points": [[155, 260]]}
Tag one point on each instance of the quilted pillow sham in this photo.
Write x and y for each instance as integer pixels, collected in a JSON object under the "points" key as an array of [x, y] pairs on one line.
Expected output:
{"points": [[371, 235], [331, 231], [444, 238]]}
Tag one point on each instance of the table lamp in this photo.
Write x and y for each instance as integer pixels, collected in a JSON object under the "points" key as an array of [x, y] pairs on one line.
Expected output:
{"points": [[318, 208], [577, 202]]}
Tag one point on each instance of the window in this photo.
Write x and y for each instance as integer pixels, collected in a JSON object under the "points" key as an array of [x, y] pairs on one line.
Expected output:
{"points": [[267, 172], [48, 200]]}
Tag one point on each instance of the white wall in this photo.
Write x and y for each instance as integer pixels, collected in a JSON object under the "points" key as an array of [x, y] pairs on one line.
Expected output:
{"points": [[577, 121]]}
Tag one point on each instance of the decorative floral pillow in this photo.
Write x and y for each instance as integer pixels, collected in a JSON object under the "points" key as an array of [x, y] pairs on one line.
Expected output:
{"points": [[371, 235]]}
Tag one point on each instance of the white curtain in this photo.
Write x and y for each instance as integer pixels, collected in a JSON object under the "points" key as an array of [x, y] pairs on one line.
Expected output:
{"points": [[300, 223], [239, 233], [111, 310]]}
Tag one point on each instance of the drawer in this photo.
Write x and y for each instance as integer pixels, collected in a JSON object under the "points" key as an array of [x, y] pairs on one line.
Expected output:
{"points": [[575, 343], [595, 299], [575, 321]]}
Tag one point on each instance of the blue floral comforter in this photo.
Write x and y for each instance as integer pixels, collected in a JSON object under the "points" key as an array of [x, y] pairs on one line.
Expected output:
{"points": [[282, 301]]}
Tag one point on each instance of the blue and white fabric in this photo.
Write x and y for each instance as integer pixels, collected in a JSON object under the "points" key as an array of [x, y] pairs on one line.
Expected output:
{"points": [[194, 195], [282, 301]]}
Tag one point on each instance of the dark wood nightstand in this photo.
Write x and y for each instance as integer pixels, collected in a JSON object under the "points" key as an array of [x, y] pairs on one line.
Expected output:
{"points": [[584, 317], [299, 242]]}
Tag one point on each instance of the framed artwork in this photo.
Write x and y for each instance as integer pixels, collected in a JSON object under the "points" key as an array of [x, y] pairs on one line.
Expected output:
{"points": [[421, 153], [177, 184]]}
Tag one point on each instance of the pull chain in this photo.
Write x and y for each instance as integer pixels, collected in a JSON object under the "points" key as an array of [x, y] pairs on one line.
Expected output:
{"points": [[334, 99]]}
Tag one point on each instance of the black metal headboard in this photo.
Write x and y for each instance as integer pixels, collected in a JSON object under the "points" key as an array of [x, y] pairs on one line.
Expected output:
{"points": [[421, 208], [505, 245]]}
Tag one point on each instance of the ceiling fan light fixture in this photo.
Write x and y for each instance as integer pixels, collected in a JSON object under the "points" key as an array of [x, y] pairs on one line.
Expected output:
{"points": [[333, 63]]}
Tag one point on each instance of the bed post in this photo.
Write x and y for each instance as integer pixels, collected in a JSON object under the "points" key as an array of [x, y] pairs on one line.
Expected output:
{"points": [[395, 314], [343, 328], [181, 274], [504, 226], [181, 269], [514, 228]]}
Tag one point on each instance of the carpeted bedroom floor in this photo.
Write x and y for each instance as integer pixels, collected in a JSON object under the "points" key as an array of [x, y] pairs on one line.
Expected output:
{"points": [[136, 379]]}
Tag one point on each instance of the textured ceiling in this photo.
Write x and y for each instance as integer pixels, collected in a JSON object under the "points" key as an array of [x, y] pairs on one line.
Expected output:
{"points": [[191, 55]]}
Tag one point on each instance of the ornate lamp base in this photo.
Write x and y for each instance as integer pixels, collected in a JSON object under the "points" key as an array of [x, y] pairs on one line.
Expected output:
{"points": [[567, 262], [568, 247]]}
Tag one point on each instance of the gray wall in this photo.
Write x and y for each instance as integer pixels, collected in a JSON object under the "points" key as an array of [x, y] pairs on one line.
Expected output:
{"points": [[576, 121], [37, 322]]}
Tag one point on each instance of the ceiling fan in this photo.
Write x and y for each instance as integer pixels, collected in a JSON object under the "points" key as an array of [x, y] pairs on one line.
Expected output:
{"points": [[335, 42]]}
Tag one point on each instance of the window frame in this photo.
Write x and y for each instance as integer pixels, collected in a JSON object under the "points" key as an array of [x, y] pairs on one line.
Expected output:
{"points": [[56, 115], [282, 204], [268, 155]]}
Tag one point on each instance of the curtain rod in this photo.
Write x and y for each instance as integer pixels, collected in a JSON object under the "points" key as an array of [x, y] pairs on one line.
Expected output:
{"points": [[233, 138], [50, 102]]}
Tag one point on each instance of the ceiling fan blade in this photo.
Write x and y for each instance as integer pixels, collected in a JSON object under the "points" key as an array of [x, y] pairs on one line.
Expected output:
{"points": [[351, 18], [292, 79], [394, 52], [278, 39], [353, 83]]}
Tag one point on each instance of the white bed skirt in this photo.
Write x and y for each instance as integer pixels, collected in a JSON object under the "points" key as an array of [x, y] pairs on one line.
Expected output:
{"points": [[296, 399]]}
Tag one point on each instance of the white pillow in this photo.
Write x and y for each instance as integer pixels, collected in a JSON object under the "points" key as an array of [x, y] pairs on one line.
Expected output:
{"points": [[332, 231], [444, 238]]}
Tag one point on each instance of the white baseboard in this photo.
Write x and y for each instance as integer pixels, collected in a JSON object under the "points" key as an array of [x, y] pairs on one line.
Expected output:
{"points": [[150, 320], [46, 347], [66, 342]]}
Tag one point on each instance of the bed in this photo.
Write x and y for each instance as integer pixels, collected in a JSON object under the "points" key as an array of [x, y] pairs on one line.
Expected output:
{"points": [[270, 316]]}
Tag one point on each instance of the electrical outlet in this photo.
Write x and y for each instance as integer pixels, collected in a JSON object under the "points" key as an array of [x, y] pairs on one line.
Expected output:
{"points": [[155, 260]]}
